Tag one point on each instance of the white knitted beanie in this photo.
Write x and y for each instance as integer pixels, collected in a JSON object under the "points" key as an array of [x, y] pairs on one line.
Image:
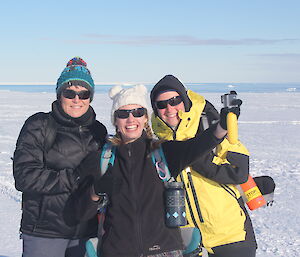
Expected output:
{"points": [[123, 96]]}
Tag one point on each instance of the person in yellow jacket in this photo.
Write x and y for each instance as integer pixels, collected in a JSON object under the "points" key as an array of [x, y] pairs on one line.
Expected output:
{"points": [[214, 205]]}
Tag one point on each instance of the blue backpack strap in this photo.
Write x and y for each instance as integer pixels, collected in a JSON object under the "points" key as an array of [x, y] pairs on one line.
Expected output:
{"points": [[193, 247], [90, 247], [160, 163], [107, 157]]}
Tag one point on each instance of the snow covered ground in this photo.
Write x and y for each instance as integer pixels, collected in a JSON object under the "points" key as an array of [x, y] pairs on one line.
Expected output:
{"points": [[269, 126]]}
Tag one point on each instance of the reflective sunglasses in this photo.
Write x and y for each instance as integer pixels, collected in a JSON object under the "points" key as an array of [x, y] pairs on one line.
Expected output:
{"points": [[124, 114], [172, 101], [71, 94]]}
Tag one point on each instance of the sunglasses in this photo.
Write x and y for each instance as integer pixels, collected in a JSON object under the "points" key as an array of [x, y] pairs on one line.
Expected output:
{"points": [[124, 114], [71, 94], [172, 101]]}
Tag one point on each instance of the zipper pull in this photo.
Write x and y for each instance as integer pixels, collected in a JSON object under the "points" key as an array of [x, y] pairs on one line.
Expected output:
{"points": [[188, 122]]}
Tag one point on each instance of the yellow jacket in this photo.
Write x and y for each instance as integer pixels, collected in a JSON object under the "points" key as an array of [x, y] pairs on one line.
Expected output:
{"points": [[223, 217]]}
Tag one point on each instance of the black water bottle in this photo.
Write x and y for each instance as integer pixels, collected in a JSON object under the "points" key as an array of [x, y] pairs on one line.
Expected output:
{"points": [[175, 204]]}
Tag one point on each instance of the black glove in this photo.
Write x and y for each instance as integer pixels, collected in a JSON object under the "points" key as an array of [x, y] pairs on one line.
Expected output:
{"points": [[265, 184], [224, 113], [105, 184], [89, 166]]}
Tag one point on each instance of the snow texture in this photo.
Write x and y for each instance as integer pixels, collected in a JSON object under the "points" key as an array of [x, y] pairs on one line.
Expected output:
{"points": [[269, 126]]}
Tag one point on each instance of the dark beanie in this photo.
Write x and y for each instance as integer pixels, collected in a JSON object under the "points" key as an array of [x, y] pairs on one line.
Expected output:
{"points": [[170, 83]]}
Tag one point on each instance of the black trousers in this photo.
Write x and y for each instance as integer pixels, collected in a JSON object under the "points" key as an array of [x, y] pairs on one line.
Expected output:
{"points": [[234, 250], [49, 247]]}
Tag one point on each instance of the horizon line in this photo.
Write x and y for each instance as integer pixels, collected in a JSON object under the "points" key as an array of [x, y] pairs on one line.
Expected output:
{"points": [[136, 83]]}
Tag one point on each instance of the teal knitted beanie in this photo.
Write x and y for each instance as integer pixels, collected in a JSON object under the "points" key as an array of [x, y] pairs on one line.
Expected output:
{"points": [[75, 74]]}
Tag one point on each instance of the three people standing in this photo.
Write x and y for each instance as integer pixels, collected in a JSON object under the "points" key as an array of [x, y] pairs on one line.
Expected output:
{"points": [[55, 149]]}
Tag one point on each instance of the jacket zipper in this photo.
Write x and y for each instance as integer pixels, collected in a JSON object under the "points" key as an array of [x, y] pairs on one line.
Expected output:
{"points": [[84, 148], [189, 202], [174, 135], [229, 190], [194, 194], [138, 220], [81, 130]]}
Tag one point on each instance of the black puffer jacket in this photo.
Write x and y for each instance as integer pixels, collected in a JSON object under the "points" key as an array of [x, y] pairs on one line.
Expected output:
{"points": [[47, 179], [134, 224]]}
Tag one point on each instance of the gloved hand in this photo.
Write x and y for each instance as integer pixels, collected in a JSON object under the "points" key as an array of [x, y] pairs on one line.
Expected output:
{"points": [[104, 184], [89, 166], [265, 184], [224, 113]]}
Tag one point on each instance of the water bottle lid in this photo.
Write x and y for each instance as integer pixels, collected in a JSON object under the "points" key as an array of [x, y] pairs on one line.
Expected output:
{"points": [[173, 184]]}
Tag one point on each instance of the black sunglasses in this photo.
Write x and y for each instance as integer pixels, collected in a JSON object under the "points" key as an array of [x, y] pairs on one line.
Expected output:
{"points": [[172, 101], [71, 94], [124, 114]]}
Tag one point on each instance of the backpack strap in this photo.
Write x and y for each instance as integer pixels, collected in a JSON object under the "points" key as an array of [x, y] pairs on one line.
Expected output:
{"points": [[204, 121], [158, 158], [160, 163], [107, 157]]}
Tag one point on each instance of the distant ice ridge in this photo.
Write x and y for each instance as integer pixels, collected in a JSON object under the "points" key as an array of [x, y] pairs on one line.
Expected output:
{"points": [[292, 122], [231, 86]]}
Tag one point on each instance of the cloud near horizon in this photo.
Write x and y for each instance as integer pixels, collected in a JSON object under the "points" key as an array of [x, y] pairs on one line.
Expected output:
{"points": [[282, 55], [173, 40]]}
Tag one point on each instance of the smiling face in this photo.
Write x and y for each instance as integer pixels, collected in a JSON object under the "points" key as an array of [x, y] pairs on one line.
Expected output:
{"points": [[170, 114], [130, 128], [75, 107]]}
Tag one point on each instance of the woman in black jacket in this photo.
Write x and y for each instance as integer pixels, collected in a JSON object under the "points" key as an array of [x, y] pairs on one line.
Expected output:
{"points": [[49, 149], [134, 224]]}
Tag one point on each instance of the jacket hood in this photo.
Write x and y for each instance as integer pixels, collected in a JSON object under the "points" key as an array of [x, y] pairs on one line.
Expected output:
{"points": [[188, 125], [170, 83]]}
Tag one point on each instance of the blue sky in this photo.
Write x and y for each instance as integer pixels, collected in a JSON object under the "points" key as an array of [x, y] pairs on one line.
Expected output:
{"points": [[141, 41]]}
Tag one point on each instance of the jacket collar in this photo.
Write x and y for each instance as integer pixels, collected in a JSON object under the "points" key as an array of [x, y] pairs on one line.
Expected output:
{"points": [[188, 125], [64, 119]]}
